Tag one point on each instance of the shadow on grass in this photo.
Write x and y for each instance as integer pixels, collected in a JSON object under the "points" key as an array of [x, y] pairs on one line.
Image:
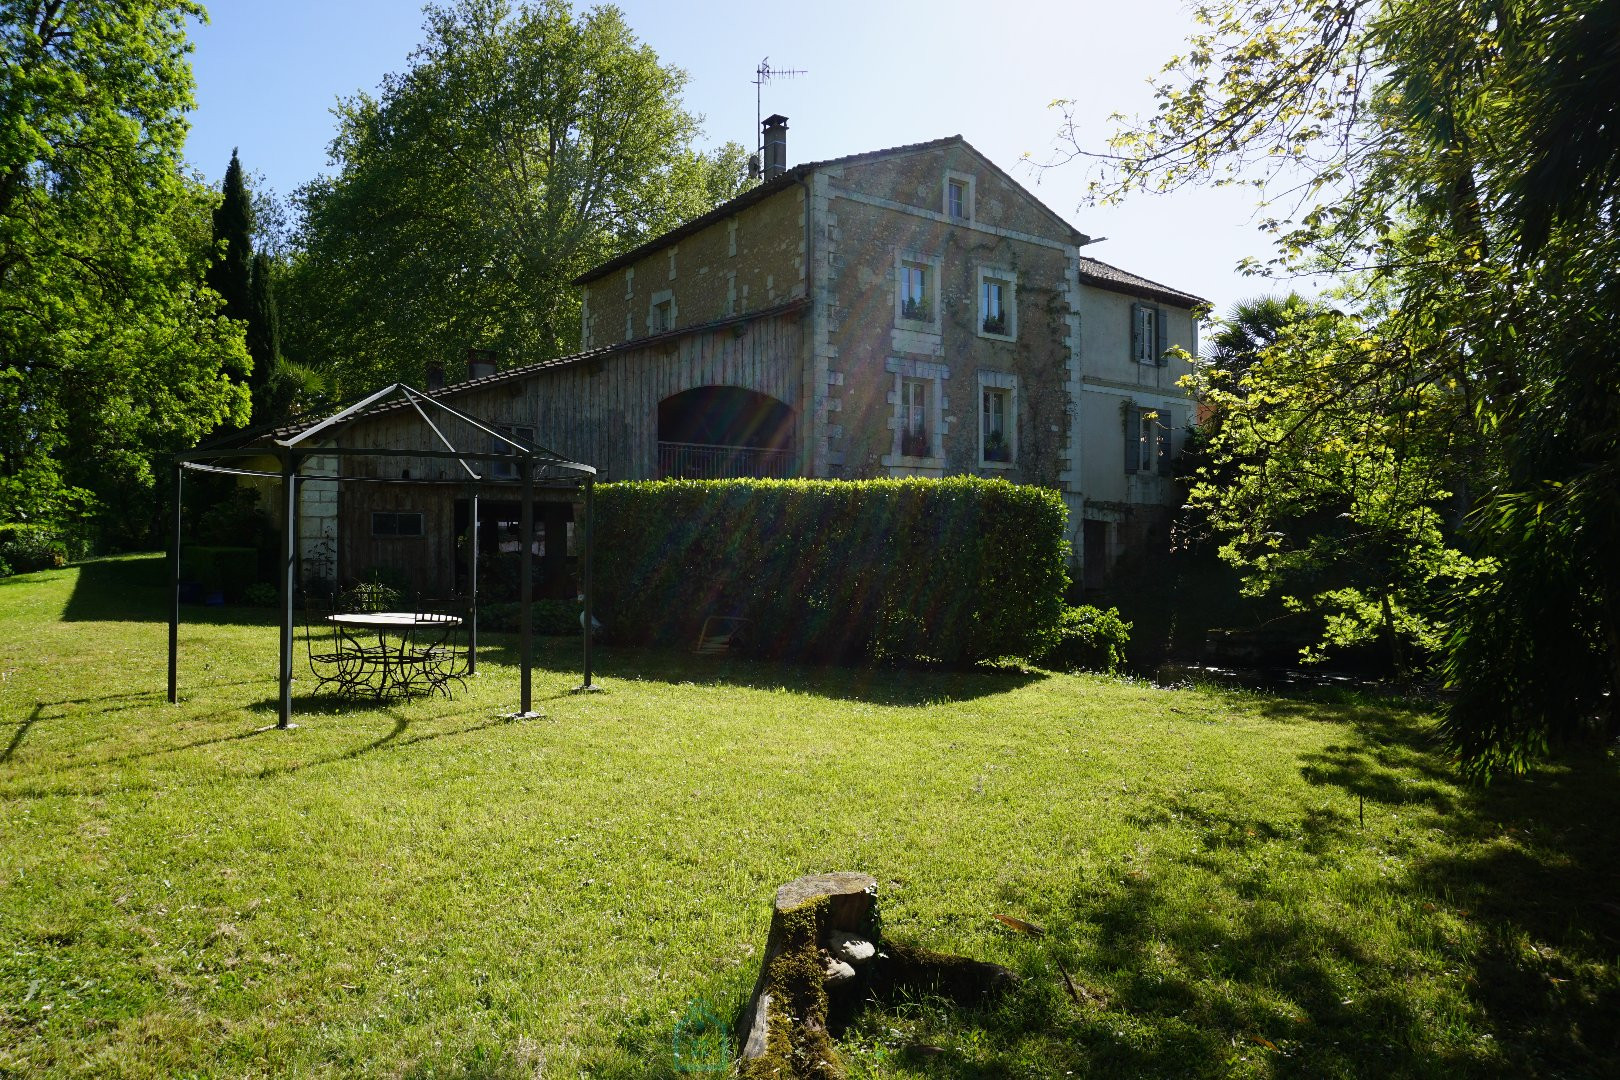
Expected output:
{"points": [[871, 685], [1501, 959], [397, 737], [136, 589], [21, 733]]}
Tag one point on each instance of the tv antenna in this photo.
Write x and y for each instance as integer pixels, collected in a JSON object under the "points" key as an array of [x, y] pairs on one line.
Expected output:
{"points": [[762, 75]]}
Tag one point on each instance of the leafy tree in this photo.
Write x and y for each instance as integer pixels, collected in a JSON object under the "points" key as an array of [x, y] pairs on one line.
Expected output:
{"points": [[522, 145], [1248, 331], [1423, 153], [111, 348], [1321, 492]]}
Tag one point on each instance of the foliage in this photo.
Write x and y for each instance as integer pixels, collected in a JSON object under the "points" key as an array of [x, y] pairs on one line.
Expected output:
{"points": [[247, 282], [261, 594], [235, 519], [228, 569], [1330, 477], [378, 588], [1476, 374], [1088, 639], [955, 570], [111, 349], [522, 145], [26, 547], [230, 273], [553, 617]]}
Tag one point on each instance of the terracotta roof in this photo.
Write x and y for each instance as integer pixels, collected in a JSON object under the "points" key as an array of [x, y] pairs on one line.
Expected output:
{"points": [[787, 180], [1104, 276]]}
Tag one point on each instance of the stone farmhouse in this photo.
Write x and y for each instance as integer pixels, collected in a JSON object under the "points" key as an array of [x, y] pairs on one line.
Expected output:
{"points": [[913, 311]]}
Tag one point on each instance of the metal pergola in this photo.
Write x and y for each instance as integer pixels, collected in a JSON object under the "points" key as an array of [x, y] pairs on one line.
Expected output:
{"points": [[533, 466]]}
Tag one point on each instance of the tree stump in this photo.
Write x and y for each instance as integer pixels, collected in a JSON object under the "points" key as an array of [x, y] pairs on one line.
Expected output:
{"points": [[823, 956]]}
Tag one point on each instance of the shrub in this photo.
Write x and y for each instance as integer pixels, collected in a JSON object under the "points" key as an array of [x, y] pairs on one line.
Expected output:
{"points": [[1089, 638], [25, 547], [260, 594], [226, 570], [954, 570], [500, 575], [555, 617], [237, 520]]}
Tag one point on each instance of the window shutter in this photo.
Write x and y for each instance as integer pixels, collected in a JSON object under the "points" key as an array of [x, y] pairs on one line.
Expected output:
{"points": [[1133, 435], [1166, 432], [1136, 331], [1161, 339]]}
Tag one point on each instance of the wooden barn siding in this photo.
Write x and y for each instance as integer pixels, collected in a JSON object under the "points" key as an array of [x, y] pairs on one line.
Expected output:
{"points": [[604, 413], [427, 559]]}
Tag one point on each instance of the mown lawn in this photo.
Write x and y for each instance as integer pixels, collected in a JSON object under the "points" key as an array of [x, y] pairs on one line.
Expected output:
{"points": [[1240, 885]]}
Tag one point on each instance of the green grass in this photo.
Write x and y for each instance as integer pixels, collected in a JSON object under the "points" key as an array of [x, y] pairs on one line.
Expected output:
{"points": [[1239, 885]]}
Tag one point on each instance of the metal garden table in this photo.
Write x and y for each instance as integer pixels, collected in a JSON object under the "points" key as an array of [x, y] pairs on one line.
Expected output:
{"points": [[397, 668]]}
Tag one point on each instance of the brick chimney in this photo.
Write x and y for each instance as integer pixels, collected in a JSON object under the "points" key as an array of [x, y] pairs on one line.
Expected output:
{"points": [[480, 363], [775, 129], [435, 376]]}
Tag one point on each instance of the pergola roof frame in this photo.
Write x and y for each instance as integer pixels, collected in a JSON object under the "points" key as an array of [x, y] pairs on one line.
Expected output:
{"points": [[533, 464]]}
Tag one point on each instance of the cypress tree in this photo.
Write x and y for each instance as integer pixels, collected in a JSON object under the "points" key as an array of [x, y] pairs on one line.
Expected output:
{"points": [[231, 271]]}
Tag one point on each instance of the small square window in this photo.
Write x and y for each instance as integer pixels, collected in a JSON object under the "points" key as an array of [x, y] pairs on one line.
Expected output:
{"points": [[663, 317], [392, 523]]}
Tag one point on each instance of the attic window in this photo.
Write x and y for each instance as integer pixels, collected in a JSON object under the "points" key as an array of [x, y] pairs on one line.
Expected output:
{"points": [[959, 197], [661, 312], [1149, 334]]}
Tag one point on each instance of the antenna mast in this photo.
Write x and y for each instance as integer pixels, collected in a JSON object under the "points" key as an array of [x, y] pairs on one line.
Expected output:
{"points": [[762, 75]]}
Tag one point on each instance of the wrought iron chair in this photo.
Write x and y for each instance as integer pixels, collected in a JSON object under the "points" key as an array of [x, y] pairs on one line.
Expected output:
{"points": [[438, 654], [335, 657]]}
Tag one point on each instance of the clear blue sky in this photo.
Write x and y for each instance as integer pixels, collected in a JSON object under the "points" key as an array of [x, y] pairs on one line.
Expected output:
{"points": [[880, 73]]}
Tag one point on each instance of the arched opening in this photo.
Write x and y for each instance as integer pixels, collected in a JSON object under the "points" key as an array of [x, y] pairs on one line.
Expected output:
{"points": [[716, 432]]}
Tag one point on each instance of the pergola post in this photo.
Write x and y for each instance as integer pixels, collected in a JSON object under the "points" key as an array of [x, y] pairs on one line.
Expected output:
{"points": [[289, 563], [526, 583], [590, 543], [472, 585], [174, 585]]}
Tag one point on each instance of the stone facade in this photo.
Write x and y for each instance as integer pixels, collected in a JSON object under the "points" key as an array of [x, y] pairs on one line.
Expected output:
{"points": [[954, 326]]}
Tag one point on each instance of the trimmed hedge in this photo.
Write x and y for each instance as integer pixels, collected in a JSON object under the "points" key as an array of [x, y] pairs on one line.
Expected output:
{"points": [[955, 570], [552, 617], [229, 570]]}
